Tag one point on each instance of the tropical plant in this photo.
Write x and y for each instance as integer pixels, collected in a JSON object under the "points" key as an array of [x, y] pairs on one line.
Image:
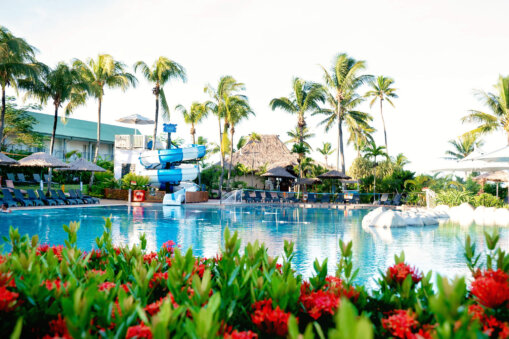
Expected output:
{"points": [[296, 137], [326, 150], [103, 72], [381, 90], [163, 71], [304, 98], [17, 61], [301, 150], [341, 82], [197, 112], [134, 181], [360, 133], [227, 87], [463, 146], [498, 103], [401, 160], [373, 151], [237, 109], [19, 126]]}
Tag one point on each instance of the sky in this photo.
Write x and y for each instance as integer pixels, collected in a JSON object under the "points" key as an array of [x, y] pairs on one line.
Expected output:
{"points": [[437, 51]]}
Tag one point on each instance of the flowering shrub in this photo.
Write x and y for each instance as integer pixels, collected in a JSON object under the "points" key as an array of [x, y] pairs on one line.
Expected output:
{"points": [[126, 292]]}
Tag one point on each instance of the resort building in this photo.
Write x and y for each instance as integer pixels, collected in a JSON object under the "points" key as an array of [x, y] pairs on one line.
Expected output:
{"points": [[74, 135]]}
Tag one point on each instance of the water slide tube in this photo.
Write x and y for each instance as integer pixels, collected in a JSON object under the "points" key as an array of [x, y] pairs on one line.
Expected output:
{"points": [[159, 158], [171, 175]]}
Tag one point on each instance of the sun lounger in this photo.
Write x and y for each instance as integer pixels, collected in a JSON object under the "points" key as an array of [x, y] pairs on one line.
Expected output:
{"points": [[397, 200], [8, 198], [311, 197], [22, 179], [82, 196], [275, 197], [73, 195], [268, 197], [53, 195], [356, 198], [340, 199], [246, 197], [258, 196], [10, 186], [67, 200], [33, 198], [48, 201], [293, 198], [326, 198], [384, 200], [37, 178], [11, 177], [21, 198]]}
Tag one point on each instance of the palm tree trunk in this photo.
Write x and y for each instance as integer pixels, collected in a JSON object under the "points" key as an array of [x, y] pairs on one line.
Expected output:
{"points": [[232, 131], [383, 123], [98, 143], [2, 116], [341, 154], [193, 134], [52, 142], [374, 182], [156, 118]]}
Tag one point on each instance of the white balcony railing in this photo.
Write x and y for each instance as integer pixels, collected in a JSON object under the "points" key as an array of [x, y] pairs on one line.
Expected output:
{"points": [[130, 141]]}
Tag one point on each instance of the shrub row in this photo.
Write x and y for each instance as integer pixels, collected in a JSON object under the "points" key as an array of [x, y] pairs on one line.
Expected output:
{"points": [[127, 292]]}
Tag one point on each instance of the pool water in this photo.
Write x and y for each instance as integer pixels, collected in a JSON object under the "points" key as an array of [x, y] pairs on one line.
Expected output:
{"points": [[315, 232]]}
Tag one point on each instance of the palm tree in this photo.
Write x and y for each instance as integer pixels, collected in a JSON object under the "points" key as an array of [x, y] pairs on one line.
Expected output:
{"points": [[381, 90], [301, 150], [360, 133], [463, 146], [341, 82], [227, 87], [237, 109], [373, 151], [326, 150], [305, 98], [17, 61], [64, 86], [297, 135], [197, 112], [103, 72], [401, 161], [163, 70], [498, 103], [253, 138]]}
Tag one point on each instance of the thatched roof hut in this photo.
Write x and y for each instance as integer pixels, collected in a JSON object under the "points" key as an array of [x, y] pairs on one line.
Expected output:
{"points": [[41, 159], [269, 151]]}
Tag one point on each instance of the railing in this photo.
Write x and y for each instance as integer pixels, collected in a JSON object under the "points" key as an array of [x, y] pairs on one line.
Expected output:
{"points": [[130, 141]]}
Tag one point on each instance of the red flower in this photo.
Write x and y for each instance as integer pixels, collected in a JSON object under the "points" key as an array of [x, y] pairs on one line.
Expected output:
{"points": [[335, 284], [401, 324], [399, 272], [157, 279], [149, 257], [95, 272], [495, 328], [155, 306], [139, 331], [125, 287], [319, 303], [241, 335], [169, 246], [476, 311], [58, 329], [54, 284], [106, 286], [7, 280], [270, 320], [491, 288], [57, 250], [8, 300]]}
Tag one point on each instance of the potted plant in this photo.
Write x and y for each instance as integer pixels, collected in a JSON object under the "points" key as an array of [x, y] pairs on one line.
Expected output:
{"points": [[137, 183]]}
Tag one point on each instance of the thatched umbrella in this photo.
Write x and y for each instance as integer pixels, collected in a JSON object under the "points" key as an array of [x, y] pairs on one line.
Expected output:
{"points": [[42, 160], [334, 174], [278, 172], [307, 181], [82, 165], [500, 176], [6, 161]]}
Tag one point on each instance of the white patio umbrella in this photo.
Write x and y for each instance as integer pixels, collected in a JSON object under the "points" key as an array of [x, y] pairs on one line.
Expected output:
{"points": [[473, 166], [500, 155], [136, 119]]}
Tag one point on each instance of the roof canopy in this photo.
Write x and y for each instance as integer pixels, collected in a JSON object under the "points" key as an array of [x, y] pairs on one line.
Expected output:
{"points": [[500, 176], [500, 155], [334, 175], [41, 159], [307, 181], [5, 160], [82, 165], [473, 166], [136, 119], [278, 172], [269, 151]]}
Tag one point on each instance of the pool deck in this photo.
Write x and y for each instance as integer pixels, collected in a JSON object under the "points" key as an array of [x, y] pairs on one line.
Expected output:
{"points": [[212, 203]]}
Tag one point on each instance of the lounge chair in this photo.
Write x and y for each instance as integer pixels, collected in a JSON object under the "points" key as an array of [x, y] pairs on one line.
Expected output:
{"points": [[292, 198], [37, 178], [68, 201], [397, 200], [258, 196], [81, 196], [10, 186], [356, 198], [73, 195], [53, 195], [312, 198], [8, 199], [384, 200], [340, 199], [326, 198], [11, 177], [275, 197], [22, 179], [21, 198], [268, 197], [33, 198], [49, 201], [246, 197]]}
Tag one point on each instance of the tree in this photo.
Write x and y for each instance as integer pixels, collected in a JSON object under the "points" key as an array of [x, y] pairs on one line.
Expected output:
{"points": [[103, 72], [301, 150], [227, 87], [360, 133], [297, 135], [237, 109], [163, 70], [17, 61], [253, 138], [64, 86], [401, 161], [381, 90], [305, 97], [341, 82], [19, 126], [326, 150], [197, 112], [498, 103], [463, 146], [373, 151]]}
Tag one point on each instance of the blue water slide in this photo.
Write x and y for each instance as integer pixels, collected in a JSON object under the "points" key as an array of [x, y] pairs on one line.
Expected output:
{"points": [[159, 158], [172, 175]]}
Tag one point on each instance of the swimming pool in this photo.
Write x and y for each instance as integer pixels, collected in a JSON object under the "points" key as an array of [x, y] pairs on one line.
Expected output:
{"points": [[315, 231]]}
